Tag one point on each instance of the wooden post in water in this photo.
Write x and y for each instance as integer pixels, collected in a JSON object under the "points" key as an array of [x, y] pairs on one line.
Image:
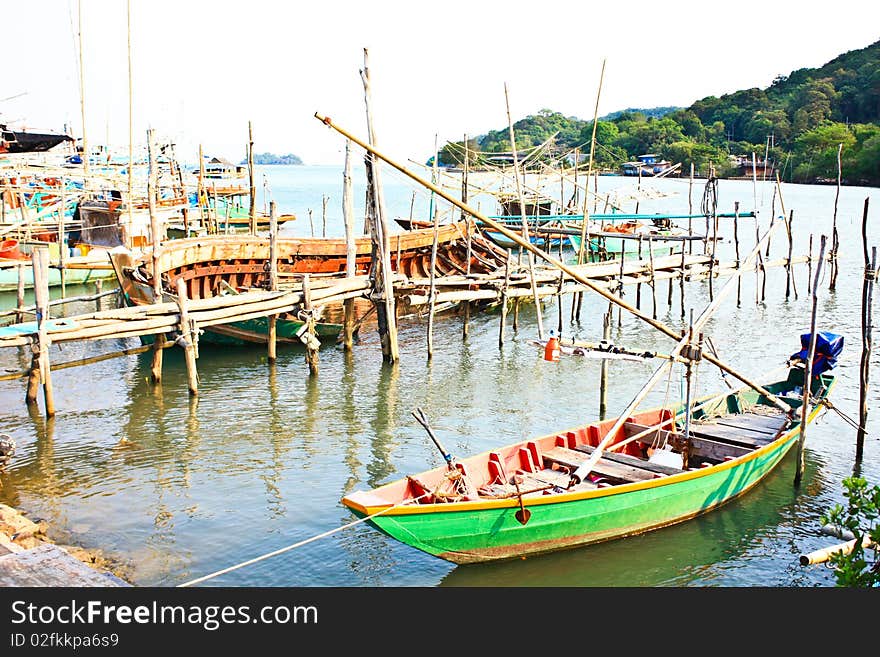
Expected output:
{"points": [[201, 194], [350, 248], [252, 193], [681, 284], [432, 292], [19, 297], [603, 368], [187, 338], [808, 370], [865, 365], [466, 217], [639, 283], [835, 238], [273, 279], [386, 314], [736, 246], [62, 255], [504, 294], [669, 282], [620, 281], [810, 262], [312, 344], [690, 212], [155, 245], [324, 200], [99, 286], [40, 262], [789, 276]]}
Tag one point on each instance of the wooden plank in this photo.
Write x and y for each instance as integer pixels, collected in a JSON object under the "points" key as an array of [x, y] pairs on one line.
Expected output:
{"points": [[50, 565], [745, 425], [700, 447], [634, 461], [573, 458], [722, 433], [755, 421]]}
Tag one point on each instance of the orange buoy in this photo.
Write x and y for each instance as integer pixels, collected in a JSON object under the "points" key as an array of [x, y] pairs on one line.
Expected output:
{"points": [[551, 349]]}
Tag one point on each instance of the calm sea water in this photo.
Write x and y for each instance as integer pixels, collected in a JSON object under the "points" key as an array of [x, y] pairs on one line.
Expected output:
{"points": [[177, 489]]}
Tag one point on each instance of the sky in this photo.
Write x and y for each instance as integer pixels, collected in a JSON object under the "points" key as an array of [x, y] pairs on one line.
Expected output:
{"points": [[200, 71]]}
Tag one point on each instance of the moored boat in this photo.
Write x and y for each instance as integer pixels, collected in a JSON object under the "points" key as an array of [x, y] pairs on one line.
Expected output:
{"points": [[222, 264], [659, 467]]}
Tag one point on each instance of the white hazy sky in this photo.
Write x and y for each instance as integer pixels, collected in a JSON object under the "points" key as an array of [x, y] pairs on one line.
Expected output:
{"points": [[201, 70]]}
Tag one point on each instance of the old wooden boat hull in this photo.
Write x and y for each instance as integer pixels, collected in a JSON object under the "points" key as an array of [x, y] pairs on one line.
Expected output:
{"points": [[218, 264], [480, 528]]}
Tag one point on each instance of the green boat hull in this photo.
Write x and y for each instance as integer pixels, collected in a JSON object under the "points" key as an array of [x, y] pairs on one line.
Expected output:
{"points": [[256, 331], [491, 534]]}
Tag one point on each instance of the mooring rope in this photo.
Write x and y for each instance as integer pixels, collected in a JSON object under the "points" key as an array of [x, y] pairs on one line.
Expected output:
{"points": [[843, 416], [299, 544]]}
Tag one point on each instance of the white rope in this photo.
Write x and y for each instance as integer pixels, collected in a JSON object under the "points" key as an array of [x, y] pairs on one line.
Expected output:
{"points": [[296, 545]]}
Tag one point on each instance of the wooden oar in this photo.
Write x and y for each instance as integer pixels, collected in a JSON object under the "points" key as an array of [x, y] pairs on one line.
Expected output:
{"points": [[550, 259], [422, 419]]}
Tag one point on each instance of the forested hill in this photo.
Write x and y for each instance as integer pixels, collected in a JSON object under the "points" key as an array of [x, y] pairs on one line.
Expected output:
{"points": [[799, 121]]}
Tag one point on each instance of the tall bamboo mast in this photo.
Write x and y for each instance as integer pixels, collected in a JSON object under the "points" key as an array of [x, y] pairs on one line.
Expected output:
{"points": [[82, 99], [130, 126], [522, 212]]}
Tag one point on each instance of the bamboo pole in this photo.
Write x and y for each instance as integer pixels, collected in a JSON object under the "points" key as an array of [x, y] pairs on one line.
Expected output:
{"points": [[504, 295], [808, 370], [584, 250], [155, 245], [350, 247], [810, 262], [789, 277], [835, 239], [639, 280], [576, 275], [130, 172], [522, 210], [62, 255], [200, 190], [40, 260], [464, 199], [312, 341], [273, 278], [865, 363], [252, 193], [691, 211], [19, 298], [187, 339], [386, 313], [603, 368], [736, 246], [824, 554], [432, 289], [82, 99]]}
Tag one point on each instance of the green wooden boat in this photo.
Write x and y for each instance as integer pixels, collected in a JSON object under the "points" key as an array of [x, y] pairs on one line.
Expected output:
{"points": [[522, 500]]}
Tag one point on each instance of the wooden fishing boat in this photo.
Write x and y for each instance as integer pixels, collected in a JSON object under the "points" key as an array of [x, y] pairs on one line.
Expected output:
{"points": [[221, 264], [522, 499]]}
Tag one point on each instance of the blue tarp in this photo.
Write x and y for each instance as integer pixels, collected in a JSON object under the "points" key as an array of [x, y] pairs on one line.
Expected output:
{"points": [[828, 348]]}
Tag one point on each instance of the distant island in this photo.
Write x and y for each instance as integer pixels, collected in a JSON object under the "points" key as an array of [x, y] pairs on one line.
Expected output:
{"points": [[271, 158]]}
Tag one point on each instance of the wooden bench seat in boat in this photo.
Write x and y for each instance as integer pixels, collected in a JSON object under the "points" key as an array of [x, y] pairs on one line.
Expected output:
{"points": [[573, 458], [531, 484], [634, 461], [754, 422], [714, 449]]}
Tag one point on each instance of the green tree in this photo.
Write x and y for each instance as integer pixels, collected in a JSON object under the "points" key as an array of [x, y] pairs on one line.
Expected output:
{"points": [[860, 567]]}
